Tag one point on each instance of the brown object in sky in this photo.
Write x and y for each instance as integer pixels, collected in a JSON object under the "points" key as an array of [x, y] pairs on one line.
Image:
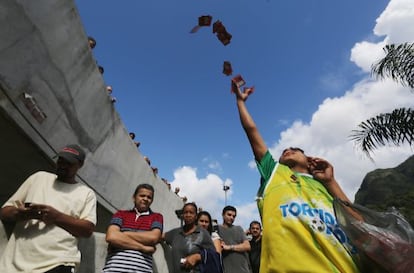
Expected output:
{"points": [[222, 33], [227, 69], [239, 81], [224, 37], [218, 27], [203, 21]]}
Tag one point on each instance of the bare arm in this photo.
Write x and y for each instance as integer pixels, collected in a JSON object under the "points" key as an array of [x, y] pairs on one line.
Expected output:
{"points": [[256, 141], [116, 238], [13, 214], [51, 216], [243, 247], [151, 237], [323, 171], [217, 245], [192, 260]]}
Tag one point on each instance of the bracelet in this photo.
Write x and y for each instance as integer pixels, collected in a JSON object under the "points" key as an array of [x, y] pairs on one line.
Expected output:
{"points": [[232, 247]]}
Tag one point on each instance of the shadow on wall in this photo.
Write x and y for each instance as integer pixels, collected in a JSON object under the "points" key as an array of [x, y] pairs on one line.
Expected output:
{"points": [[167, 255], [89, 251]]}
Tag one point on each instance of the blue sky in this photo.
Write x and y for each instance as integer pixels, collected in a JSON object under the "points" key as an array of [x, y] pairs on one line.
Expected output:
{"points": [[309, 61]]}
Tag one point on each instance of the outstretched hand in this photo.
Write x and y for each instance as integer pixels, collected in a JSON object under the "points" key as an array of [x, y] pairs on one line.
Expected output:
{"points": [[239, 94]]}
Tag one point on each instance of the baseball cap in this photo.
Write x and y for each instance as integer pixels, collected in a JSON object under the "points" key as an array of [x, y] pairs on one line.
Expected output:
{"points": [[72, 153]]}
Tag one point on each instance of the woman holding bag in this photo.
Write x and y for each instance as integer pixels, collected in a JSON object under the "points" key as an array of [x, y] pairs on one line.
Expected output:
{"points": [[188, 242]]}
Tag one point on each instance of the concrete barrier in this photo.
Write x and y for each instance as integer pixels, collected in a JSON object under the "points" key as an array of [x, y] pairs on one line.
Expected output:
{"points": [[52, 94]]}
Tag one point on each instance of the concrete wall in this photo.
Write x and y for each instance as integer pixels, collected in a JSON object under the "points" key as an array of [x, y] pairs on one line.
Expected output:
{"points": [[52, 91]]}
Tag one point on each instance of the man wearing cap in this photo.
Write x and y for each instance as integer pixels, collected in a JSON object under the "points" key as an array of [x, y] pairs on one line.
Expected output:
{"points": [[50, 211]]}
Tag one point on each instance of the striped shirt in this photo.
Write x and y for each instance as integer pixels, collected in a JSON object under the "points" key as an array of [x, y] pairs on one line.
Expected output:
{"points": [[128, 260]]}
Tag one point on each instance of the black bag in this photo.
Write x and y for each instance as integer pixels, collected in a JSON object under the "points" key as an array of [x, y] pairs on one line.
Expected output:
{"points": [[211, 261], [384, 240]]}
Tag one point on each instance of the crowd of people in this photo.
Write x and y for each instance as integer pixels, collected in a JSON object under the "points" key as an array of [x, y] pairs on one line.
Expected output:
{"points": [[300, 232], [92, 44], [52, 210]]}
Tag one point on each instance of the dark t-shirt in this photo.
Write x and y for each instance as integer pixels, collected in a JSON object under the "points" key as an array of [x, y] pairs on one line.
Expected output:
{"points": [[254, 255], [184, 245]]}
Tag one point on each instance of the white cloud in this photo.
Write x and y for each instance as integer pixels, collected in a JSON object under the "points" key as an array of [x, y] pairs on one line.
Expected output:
{"points": [[365, 54], [214, 165], [252, 164], [205, 192], [246, 213], [394, 24], [327, 134], [396, 21], [208, 194], [332, 81]]}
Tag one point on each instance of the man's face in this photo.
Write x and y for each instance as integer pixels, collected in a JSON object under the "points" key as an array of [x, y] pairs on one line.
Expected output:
{"points": [[228, 217], [255, 230], [143, 199], [65, 170], [292, 157]]}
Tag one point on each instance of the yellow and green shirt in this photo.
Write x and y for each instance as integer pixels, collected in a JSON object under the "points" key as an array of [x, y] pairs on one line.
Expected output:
{"points": [[300, 232]]}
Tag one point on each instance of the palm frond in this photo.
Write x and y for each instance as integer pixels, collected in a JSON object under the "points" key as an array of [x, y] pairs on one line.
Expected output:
{"points": [[398, 64], [396, 127]]}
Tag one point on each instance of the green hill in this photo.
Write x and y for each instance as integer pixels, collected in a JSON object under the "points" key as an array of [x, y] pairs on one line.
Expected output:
{"points": [[393, 187]]}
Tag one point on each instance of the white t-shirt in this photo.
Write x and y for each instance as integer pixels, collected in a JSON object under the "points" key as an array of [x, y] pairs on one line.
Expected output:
{"points": [[35, 247]]}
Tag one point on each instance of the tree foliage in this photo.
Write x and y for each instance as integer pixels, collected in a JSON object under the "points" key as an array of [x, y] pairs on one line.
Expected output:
{"points": [[398, 64], [396, 127]]}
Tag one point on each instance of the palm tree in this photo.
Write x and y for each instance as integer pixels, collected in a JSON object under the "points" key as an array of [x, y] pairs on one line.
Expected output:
{"points": [[396, 127], [398, 64]]}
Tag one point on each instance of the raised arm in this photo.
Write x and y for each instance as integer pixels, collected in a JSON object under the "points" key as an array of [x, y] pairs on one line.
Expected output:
{"points": [[257, 143]]}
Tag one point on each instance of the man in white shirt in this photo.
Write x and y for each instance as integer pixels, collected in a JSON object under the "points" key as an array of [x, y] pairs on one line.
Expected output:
{"points": [[50, 211]]}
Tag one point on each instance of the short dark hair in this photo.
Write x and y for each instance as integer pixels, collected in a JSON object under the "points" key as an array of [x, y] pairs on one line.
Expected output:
{"points": [[226, 208], [294, 149], [144, 186], [191, 204], [254, 222], [101, 69]]}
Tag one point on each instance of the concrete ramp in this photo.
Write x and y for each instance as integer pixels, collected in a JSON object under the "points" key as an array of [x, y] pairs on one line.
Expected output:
{"points": [[52, 94]]}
